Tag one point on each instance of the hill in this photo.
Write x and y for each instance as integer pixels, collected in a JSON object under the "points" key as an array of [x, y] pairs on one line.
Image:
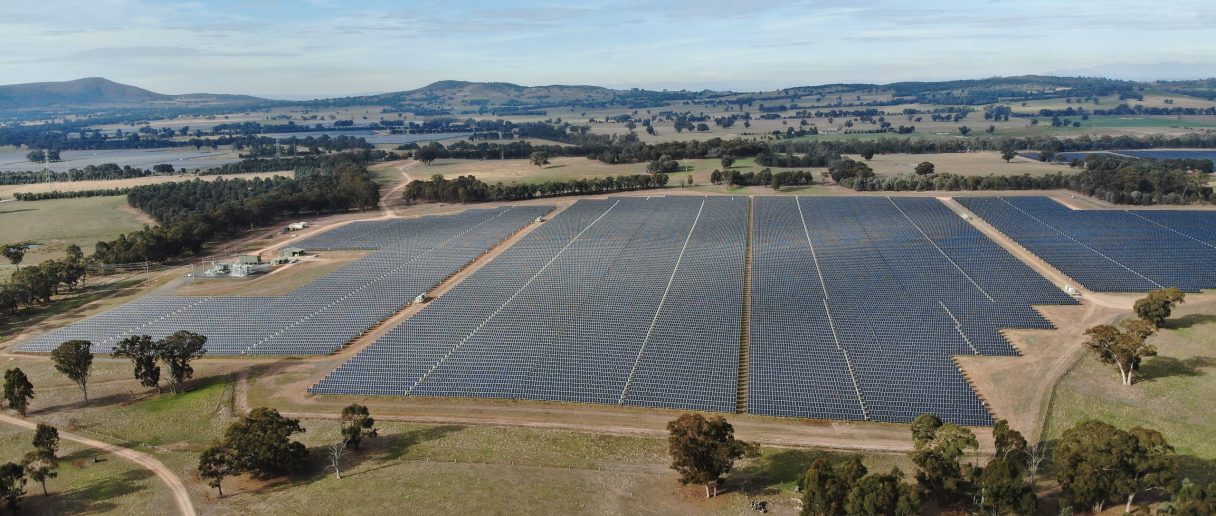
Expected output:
{"points": [[100, 92]]}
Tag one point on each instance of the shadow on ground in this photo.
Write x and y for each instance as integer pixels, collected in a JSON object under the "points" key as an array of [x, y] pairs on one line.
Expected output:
{"points": [[1188, 321], [1165, 367]]}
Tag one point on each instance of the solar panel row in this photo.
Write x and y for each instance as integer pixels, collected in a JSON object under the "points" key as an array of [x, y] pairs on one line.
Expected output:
{"points": [[323, 315], [859, 303], [1110, 250], [623, 301]]}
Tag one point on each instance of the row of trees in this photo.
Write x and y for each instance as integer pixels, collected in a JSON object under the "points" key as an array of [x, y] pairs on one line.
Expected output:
{"points": [[194, 212], [73, 194], [1095, 464], [765, 177], [465, 189], [36, 284]]}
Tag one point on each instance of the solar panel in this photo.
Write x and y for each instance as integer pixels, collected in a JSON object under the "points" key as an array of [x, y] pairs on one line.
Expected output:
{"points": [[1110, 250], [411, 256]]}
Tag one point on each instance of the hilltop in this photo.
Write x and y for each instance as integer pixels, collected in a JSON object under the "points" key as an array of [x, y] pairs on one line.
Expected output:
{"points": [[101, 92]]}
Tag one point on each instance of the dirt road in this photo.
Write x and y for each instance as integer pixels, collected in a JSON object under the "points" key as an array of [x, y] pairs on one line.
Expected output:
{"points": [[180, 495]]}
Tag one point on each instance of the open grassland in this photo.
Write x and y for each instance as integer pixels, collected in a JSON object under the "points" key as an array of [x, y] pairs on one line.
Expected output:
{"points": [[89, 481], [574, 168], [1174, 392], [56, 224], [435, 468], [963, 164], [7, 191], [487, 470]]}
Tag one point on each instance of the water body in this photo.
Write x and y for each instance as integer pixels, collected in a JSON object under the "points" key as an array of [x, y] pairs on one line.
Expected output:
{"points": [[1143, 153], [372, 137]]}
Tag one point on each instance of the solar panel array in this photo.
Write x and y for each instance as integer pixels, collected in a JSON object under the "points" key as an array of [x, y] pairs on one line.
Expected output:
{"points": [[1110, 250], [634, 301], [413, 255], [859, 303]]}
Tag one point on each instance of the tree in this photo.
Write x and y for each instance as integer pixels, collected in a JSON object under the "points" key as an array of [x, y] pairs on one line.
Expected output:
{"points": [[964, 130], [1153, 463], [427, 153], [539, 158], [867, 152], [15, 252], [1157, 306], [938, 448], [883, 494], [924, 168], [355, 420], [17, 390], [715, 177], [261, 444], [143, 352], [727, 162], [1099, 463], [826, 486], [1002, 485], [12, 484], [702, 450], [215, 463], [1003, 490], [663, 165], [1191, 499], [41, 467], [334, 453], [1123, 346], [75, 360], [176, 351], [1008, 155], [46, 439]]}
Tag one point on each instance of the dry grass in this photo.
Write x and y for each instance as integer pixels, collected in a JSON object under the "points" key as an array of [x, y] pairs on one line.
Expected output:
{"points": [[58, 223], [963, 164], [1173, 394]]}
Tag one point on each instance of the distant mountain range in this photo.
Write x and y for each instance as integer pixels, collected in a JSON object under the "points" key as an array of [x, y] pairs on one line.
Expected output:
{"points": [[95, 93], [99, 92]]}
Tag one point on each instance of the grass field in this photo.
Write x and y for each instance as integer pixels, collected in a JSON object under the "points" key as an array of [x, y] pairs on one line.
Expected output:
{"points": [[964, 164], [1174, 393], [89, 481], [437, 468], [58, 223]]}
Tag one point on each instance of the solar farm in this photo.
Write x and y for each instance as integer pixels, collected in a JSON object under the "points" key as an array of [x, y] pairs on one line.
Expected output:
{"points": [[1110, 250], [845, 308], [412, 255]]}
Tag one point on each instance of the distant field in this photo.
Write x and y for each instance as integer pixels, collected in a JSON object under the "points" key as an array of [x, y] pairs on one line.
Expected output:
{"points": [[1173, 392], [58, 223], [179, 157], [962, 163], [7, 191], [565, 169]]}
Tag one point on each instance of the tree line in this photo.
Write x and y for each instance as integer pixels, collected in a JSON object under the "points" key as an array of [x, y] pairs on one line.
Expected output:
{"points": [[466, 189], [192, 213], [72, 194]]}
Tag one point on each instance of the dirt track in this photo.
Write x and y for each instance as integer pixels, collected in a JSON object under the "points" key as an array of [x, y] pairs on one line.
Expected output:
{"points": [[180, 495]]}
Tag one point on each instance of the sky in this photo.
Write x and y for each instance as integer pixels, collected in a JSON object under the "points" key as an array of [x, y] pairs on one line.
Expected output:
{"points": [[323, 48]]}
